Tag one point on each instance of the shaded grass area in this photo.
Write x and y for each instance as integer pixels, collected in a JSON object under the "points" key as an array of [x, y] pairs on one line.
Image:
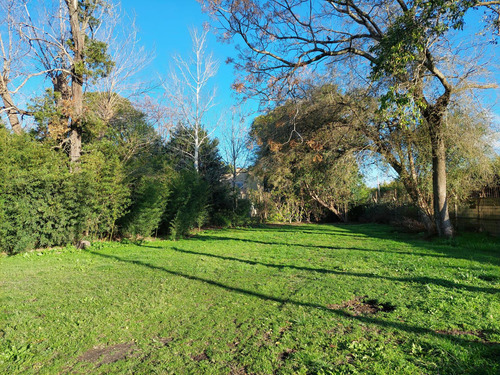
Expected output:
{"points": [[310, 299]]}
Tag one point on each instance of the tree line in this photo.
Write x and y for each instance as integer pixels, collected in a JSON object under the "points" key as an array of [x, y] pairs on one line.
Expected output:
{"points": [[309, 153], [86, 160], [410, 50]]}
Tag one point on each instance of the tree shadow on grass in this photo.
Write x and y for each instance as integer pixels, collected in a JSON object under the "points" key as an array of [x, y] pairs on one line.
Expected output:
{"points": [[326, 229], [448, 252], [337, 229], [420, 280], [329, 247], [377, 231], [489, 254], [338, 312]]}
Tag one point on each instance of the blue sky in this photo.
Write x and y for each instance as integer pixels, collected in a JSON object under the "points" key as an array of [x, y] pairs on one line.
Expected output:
{"points": [[164, 27]]}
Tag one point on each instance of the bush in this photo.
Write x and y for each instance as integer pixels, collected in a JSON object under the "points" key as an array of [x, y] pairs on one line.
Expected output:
{"points": [[42, 204], [101, 195], [149, 199], [36, 205], [241, 215], [188, 207]]}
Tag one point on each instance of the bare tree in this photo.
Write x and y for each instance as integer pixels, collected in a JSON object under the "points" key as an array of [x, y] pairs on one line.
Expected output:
{"points": [[236, 145], [190, 95], [396, 40], [121, 36], [15, 67]]}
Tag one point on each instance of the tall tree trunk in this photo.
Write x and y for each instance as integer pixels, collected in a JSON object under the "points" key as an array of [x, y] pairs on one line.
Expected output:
{"points": [[196, 155], [434, 115], [10, 108], [76, 118], [12, 113], [441, 214], [78, 35]]}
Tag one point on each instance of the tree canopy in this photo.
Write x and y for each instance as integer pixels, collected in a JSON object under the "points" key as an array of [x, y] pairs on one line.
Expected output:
{"points": [[401, 44]]}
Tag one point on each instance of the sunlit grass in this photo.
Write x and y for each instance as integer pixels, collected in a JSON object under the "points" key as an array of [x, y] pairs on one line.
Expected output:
{"points": [[273, 299]]}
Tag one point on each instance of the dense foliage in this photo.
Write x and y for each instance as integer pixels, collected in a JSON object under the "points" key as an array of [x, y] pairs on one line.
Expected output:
{"points": [[310, 150], [307, 158], [42, 204], [128, 182]]}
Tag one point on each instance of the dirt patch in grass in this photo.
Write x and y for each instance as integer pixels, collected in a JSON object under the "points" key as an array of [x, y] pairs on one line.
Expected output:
{"points": [[109, 354], [479, 334], [283, 356], [200, 357], [363, 305]]}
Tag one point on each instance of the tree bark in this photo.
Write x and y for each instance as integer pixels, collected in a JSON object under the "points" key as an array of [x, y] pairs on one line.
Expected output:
{"points": [[434, 114], [78, 36], [12, 113], [441, 213], [196, 156]]}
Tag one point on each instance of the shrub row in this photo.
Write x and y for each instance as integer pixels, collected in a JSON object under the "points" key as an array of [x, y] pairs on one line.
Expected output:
{"points": [[44, 204]]}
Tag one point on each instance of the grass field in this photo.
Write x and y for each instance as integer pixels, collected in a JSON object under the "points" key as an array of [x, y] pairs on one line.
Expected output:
{"points": [[310, 299]]}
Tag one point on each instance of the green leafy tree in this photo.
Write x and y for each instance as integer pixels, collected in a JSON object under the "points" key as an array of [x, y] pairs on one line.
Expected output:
{"points": [[211, 167], [312, 142], [42, 204], [307, 152], [401, 41]]}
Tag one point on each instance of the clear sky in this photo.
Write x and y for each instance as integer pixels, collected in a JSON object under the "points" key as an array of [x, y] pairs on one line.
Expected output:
{"points": [[164, 27]]}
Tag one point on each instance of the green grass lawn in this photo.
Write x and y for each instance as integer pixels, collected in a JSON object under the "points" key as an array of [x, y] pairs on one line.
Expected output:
{"points": [[309, 299]]}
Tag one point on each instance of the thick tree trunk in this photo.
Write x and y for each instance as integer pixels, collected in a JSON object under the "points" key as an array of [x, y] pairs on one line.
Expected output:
{"points": [[441, 214], [8, 103], [76, 128], [434, 114], [76, 81], [75, 139], [12, 114]]}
